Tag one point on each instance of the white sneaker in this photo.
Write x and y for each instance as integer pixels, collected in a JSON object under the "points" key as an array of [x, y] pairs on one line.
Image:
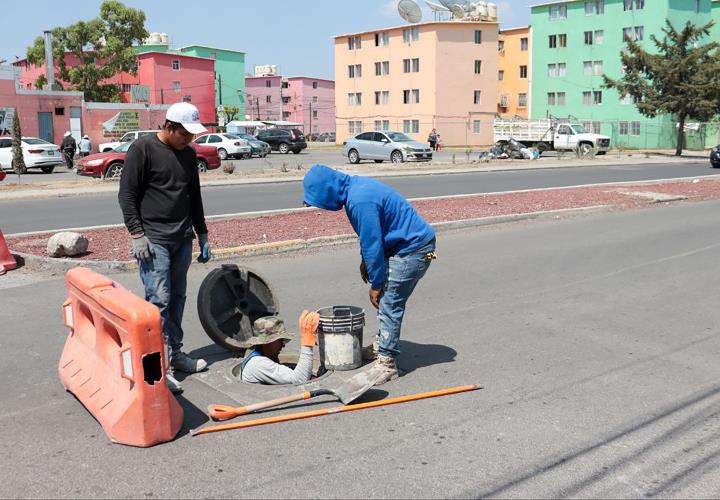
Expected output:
{"points": [[172, 383], [184, 363]]}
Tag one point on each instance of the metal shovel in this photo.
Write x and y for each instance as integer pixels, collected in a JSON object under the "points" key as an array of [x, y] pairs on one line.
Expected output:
{"points": [[346, 393]]}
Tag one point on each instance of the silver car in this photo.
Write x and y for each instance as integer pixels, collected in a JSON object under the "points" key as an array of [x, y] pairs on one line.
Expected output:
{"points": [[385, 146]]}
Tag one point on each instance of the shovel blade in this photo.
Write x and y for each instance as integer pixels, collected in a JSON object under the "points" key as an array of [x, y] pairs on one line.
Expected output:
{"points": [[355, 387]]}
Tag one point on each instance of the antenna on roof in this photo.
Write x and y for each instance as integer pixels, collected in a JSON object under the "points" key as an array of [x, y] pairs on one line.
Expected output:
{"points": [[457, 11], [437, 9], [410, 11]]}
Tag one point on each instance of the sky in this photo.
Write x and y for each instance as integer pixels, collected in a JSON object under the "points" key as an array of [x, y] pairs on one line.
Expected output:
{"points": [[297, 35]]}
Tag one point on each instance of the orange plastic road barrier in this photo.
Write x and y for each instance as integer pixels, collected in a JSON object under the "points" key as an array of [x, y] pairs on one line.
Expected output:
{"points": [[115, 360], [336, 409], [7, 261]]}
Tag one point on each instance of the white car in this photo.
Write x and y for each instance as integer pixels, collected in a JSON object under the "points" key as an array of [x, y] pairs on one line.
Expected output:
{"points": [[227, 145], [129, 137], [36, 153]]}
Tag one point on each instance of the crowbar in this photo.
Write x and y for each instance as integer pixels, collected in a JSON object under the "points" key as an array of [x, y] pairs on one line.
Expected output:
{"points": [[337, 409]]}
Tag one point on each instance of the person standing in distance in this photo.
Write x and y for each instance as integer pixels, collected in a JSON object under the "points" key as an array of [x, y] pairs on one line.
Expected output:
{"points": [[162, 205], [396, 246]]}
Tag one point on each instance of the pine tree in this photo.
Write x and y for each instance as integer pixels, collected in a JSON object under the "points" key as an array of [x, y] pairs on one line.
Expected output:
{"points": [[681, 79], [18, 161]]}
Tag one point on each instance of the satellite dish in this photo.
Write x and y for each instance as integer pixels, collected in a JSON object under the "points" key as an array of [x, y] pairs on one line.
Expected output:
{"points": [[410, 11], [457, 11], [436, 7]]}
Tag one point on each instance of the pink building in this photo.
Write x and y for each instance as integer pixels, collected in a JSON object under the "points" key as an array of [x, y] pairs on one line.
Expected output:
{"points": [[310, 101], [165, 77]]}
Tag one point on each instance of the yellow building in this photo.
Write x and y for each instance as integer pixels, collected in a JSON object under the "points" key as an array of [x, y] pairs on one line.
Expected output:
{"points": [[417, 77], [514, 72]]}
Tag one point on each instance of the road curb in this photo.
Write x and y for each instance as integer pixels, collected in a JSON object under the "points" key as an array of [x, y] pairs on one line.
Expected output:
{"points": [[289, 246]]}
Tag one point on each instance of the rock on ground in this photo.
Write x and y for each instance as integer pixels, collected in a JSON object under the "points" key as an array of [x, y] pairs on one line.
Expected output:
{"points": [[67, 244]]}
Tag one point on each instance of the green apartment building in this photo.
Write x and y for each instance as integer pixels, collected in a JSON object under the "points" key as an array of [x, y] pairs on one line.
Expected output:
{"points": [[575, 42], [229, 71]]}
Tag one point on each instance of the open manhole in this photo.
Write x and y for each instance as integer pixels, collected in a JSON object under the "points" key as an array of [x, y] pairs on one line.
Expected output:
{"points": [[230, 299], [290, 360]]}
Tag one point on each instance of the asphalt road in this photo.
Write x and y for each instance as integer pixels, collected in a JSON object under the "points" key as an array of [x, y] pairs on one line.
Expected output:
{"points": [[58, 213], [595, 338]]}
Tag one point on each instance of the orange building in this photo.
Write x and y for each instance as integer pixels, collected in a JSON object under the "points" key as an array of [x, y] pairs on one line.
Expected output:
{"points": [[514, 50]]}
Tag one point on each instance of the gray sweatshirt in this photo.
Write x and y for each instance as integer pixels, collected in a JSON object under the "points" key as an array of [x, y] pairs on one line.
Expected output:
{"points": [[262, 370]]}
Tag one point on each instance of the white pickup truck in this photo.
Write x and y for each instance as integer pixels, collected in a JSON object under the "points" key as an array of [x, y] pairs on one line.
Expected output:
{"points": [[549, 135], [128, 137]]}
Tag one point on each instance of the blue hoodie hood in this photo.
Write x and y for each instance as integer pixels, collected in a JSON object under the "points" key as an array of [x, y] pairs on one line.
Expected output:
{"points": [[325, 188]]}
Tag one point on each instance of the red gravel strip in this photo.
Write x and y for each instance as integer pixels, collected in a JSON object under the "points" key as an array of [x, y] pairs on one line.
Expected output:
{"points": [[113, 244]]}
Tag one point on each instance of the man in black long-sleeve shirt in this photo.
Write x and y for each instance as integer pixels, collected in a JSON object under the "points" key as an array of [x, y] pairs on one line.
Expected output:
{"points": [[161, 204]]}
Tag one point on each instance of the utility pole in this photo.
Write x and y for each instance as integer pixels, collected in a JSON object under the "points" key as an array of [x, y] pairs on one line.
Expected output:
{"points": [[162, 96], [257, 107], [311, 129], [220, 87]]}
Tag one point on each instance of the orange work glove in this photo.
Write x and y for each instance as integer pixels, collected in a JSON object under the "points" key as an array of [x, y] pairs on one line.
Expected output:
{"points": [[309, 322]]}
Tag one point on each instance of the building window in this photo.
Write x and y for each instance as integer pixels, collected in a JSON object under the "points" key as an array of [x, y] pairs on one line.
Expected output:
{"points": [[386, 38], [552, 70], [416, 96], [125, 87], [358, 98], [59, 111], [314, 99], [355, 71], [524, 44], [351, 71], [355, 127], [411, 35], [315, 113], [522, 100], [558, 12], [639, 32], [416, 65], [562, 39], [354, 43], [634, 4], [628, 99], [504, 101], [478, 36], [268, 83], [478, 67], [176, 86], [561, 98], [501, 75], [635, 128], [599, 37], [697, 6], [593, 7], [268, 99], [411, 126], [501, 45], [587, 68], [476, 126], [406, 65], [386, 67], [587, 98], [377, 39], [187, 98], [477, 97], [378, 123], [176, 64], [315, 85], [284, 85], [598, 68], [589, 38], [597, 97], [386, 97], [406, 97], [378, 69], [551, 98], [523, 71], [377, 97], [624, 128], [562, 70], [552, 41]]}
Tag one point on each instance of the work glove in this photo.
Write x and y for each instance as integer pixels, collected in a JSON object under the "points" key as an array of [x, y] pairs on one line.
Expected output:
{"points": [[309, 322], [141, 248], [205, 253], [364, 272]]}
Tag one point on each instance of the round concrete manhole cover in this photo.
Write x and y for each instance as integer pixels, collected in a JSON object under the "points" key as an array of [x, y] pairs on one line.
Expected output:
{"points": [[230, 299]]}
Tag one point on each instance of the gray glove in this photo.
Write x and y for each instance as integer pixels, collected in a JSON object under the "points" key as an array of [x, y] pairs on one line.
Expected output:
{"points": [[141, 248]]}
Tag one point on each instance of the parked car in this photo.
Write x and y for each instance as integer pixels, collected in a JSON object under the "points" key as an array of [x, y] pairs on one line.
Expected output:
{"points": [[129, 137], [110, 165], [284, 140], [227, 145], [36, 153], [259, 148], [715, 157], [326, 137], [385, 146]]}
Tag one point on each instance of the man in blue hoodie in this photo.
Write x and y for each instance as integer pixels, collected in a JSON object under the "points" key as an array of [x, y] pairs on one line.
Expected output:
{"points": [[396, 245]]}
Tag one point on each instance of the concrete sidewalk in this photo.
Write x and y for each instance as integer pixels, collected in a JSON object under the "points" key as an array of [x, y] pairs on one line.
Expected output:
{"points": [[218, 178]]}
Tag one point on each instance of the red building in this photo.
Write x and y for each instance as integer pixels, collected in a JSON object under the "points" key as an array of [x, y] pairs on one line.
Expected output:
{"points": [[162, 78]]}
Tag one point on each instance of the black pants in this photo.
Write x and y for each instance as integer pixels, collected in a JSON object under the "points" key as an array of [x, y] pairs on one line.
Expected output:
{"points": [[69, 154]]}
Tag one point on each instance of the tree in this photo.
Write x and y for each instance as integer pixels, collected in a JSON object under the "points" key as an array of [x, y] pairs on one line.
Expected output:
{"points": [[18, 162], [682, 78], [231, 111], [103, 47]]}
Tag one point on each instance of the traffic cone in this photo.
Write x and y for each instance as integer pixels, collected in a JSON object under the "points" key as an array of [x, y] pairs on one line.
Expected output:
{"points": [[7, 261]]}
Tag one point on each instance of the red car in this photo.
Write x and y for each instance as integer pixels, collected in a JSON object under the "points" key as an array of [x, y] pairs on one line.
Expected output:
{"points": [[109, 165]]}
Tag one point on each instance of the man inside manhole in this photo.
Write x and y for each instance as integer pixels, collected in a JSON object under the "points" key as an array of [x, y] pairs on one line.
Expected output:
{"points": [[261, 364], [396, 246]]}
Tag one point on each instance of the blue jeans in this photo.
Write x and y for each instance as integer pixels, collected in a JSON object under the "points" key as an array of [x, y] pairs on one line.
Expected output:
{"points": [[404, 272], [165, 280]]}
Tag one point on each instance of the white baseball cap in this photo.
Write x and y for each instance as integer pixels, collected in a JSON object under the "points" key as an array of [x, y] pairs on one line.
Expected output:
{"points": [[186, 115]]}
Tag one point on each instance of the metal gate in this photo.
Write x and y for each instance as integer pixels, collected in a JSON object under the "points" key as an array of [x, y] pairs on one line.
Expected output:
{"points": [[45, 126]]}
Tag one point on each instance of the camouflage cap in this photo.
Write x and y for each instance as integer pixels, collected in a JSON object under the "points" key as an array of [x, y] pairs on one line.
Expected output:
{"points": [[269, 329]]}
